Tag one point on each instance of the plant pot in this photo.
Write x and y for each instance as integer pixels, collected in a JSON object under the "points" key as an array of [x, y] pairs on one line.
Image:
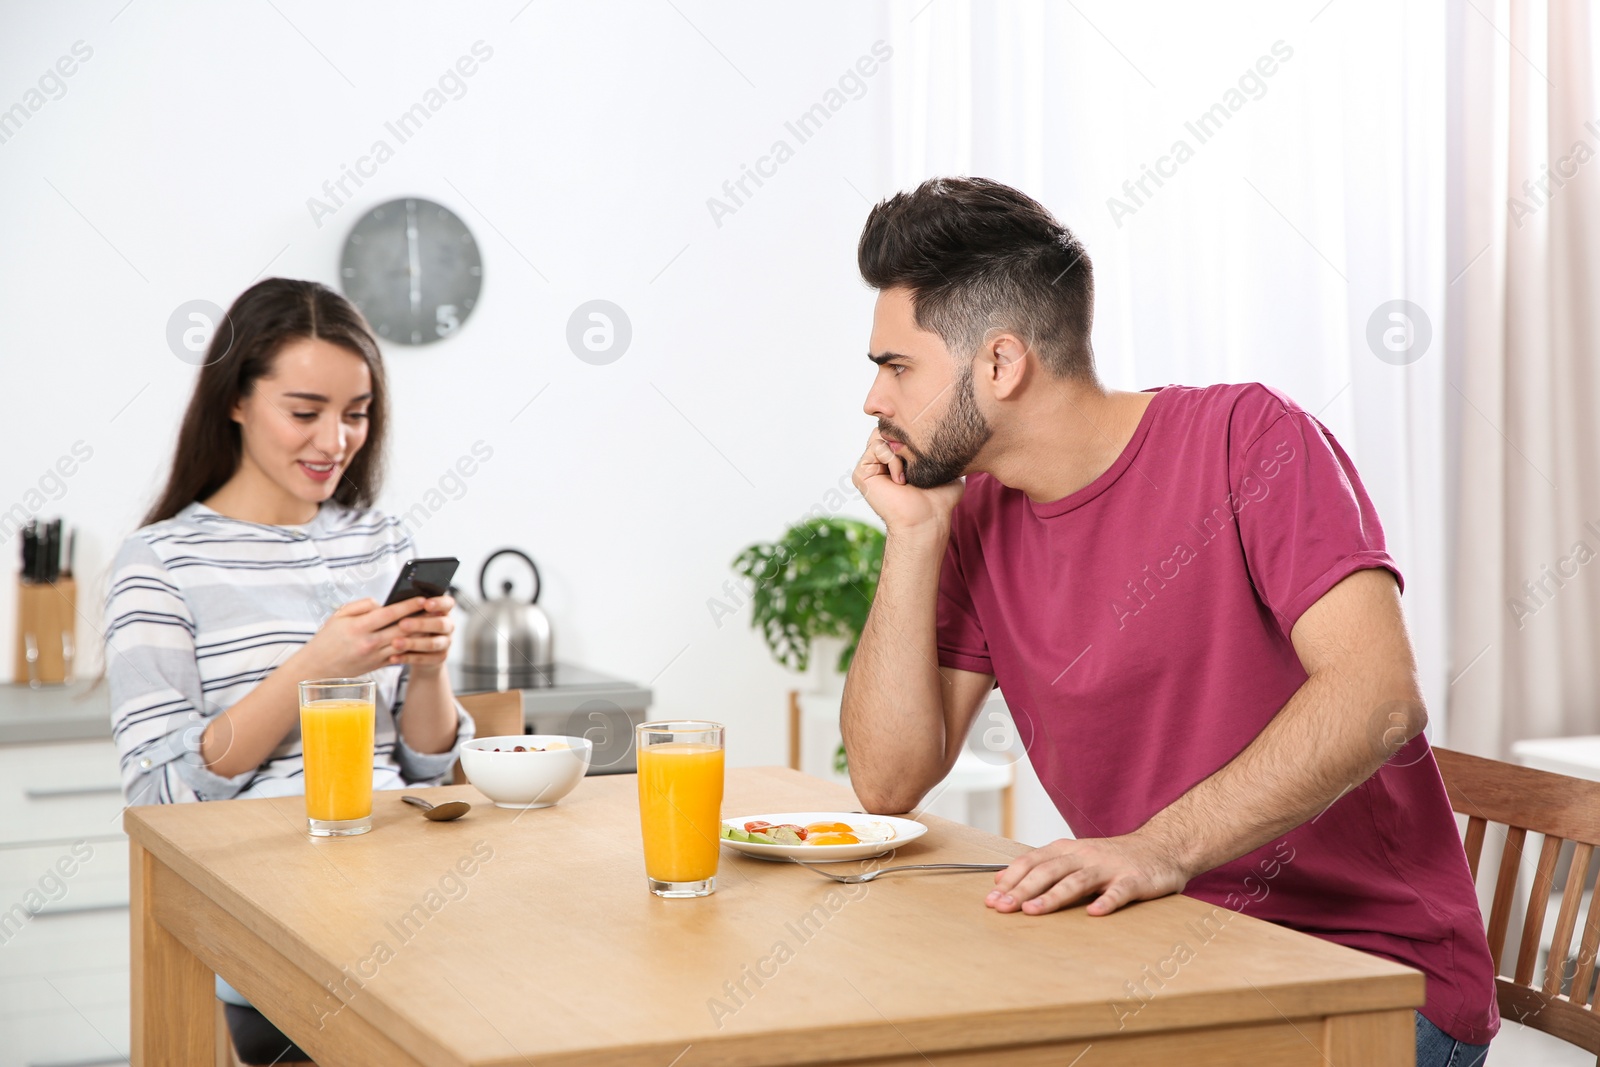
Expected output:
{"points": [[823, 671]]}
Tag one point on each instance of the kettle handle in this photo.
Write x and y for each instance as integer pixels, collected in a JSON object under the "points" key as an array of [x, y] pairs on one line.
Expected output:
{"points": [[483, 575]]}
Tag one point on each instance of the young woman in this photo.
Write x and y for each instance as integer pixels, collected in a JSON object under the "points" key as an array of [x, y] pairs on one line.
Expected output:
{"points": [[263, 565]]}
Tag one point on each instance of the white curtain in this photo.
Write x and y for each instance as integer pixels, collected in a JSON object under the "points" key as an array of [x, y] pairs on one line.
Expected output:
{"points": [[1316, 197], [1525, 386]]}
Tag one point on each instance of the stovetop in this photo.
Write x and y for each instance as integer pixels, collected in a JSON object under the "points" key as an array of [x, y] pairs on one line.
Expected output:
{"points": [[558, 676]]}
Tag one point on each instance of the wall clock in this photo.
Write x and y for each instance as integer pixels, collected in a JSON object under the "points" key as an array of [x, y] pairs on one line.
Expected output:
{"points": [[413, 269]]}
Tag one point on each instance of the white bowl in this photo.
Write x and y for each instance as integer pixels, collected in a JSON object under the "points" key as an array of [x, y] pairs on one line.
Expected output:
{"points": [[526, 779]]}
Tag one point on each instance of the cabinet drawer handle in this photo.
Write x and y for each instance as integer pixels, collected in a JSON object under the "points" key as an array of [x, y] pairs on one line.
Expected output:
{"points": [[79, 909], [57, 792]]}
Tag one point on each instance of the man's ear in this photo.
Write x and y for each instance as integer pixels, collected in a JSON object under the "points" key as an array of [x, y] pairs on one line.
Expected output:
{"points": [[1005, 362]]}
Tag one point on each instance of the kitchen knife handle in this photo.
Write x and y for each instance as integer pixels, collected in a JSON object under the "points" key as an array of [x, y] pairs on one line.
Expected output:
{"points": [[52, 552], [30, 551]]}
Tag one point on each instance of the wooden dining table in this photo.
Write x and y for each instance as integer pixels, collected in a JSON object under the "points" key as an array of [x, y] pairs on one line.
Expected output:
{"points": [[515, 937]]}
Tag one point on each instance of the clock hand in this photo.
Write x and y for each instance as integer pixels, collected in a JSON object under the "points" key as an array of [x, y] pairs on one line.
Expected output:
{"points": [[414, 260]]}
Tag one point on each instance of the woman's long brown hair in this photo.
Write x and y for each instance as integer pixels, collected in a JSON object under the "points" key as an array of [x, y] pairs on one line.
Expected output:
{"points": [[262, 320]]}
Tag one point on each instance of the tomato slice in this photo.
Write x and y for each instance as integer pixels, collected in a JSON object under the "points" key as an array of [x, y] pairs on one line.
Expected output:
{"points": [[752, 827]]}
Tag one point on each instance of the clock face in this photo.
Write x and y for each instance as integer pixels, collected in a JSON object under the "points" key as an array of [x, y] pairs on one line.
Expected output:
{"points": [[413, 269]]}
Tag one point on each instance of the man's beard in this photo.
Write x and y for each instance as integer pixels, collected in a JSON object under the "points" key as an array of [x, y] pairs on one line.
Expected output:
{"points": [[955, 442]]}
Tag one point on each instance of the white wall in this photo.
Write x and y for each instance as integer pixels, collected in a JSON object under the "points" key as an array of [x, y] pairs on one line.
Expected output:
{"points": [[178, 163], [179, 160]]}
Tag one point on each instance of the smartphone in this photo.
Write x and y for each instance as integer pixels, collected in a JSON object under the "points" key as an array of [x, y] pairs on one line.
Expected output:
{"points": [[423, 577]]}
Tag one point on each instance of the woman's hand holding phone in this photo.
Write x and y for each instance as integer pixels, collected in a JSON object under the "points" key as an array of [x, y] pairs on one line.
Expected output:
{"points": [[424, 640], [362, 636]]}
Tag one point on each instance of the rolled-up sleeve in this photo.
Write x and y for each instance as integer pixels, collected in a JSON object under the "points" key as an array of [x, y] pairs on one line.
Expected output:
{"points": [[961, 641], [426, 768], [1305, 520], [158, 708]]}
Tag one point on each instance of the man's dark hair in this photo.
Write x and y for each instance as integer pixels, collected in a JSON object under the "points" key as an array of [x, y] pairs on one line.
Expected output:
{"points": [[977, 256]]}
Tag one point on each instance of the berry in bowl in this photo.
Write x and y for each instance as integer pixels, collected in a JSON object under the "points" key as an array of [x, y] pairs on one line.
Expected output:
{"points": [[526, 770]]}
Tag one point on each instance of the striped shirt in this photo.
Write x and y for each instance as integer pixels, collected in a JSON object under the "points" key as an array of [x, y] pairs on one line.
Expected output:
{"points": [[202, 607]]}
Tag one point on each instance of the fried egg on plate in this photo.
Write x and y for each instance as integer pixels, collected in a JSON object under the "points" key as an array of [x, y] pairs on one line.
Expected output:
{"points": [[838, 833]]}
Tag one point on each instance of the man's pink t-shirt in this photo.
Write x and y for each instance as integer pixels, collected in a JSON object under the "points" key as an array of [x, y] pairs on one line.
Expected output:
{"points": [[1139, 629]]}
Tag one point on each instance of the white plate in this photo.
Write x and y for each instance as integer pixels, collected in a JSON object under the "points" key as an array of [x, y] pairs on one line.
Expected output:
{"points": [[904, 830]]}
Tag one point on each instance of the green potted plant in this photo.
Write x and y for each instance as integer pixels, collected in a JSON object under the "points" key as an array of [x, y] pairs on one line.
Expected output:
{"points": [[811, 588]]}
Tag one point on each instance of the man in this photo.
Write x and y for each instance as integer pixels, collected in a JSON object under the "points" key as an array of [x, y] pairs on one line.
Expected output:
{"points": [[1184, 594]]}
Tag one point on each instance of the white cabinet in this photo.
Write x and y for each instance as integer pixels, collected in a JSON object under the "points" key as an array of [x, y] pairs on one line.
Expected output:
{"points": [[64, 991], [63, 906], [59, 791]]}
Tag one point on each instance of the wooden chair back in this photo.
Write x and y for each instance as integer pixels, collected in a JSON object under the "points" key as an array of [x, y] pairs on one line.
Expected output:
{"points": [[794, 729], [495, 715], [1559, 809]]}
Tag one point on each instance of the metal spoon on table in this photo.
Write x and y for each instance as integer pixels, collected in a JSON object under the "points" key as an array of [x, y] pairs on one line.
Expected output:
{"points": [[450, 809]]}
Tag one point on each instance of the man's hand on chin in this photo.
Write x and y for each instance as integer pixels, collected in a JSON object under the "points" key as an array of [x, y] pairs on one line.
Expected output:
{"points": [[1112, 870]]}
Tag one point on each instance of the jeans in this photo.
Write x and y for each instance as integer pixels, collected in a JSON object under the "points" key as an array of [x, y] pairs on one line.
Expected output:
{"points": [[257, 1041], [1435, 1048], [255, 1038]]}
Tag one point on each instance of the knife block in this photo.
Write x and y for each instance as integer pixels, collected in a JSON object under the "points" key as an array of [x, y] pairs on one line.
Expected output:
{"points": [[46, 612]]}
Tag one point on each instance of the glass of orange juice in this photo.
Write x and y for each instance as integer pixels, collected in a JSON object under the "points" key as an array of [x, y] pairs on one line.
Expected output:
{"points": [[680, 805], [336, 739]]}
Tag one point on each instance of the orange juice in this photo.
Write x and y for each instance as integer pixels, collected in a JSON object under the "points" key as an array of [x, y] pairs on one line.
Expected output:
{"points": [[680, 809], [336, 737]]}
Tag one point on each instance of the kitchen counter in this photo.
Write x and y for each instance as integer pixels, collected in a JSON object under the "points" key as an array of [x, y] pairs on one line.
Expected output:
{"points": [[76, 712], [82, 711]]}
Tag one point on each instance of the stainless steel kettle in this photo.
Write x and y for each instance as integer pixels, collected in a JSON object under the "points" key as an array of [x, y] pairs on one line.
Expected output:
{"points": [[508, 643]]}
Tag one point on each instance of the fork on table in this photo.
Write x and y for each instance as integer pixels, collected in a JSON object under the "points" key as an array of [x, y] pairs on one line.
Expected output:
{"points": [[867, 876]]}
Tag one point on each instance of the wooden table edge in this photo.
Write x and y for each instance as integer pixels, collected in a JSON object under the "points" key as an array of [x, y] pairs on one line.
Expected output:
{"points": [[149, 838], [181, 938]]}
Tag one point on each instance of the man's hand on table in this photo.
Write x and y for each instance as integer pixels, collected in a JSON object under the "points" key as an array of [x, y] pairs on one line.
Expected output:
{"points": [[1112, 870]]}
